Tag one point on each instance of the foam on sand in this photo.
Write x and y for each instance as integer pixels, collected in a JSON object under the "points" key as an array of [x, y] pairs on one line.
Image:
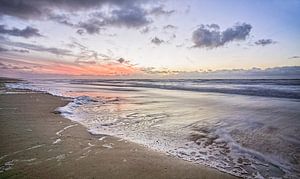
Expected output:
{"points": [[234, 129]]}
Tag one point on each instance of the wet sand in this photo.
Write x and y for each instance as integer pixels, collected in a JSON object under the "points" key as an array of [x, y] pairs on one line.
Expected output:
{"points": [[38, 143]]}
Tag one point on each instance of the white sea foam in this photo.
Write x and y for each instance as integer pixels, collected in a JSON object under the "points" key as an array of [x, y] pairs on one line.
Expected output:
{"points": [[35, 147], [102, 138], [107, 146], [7, 166], [57, 141], [210, 129], [60, 157], [65, 128], [29, 160]]}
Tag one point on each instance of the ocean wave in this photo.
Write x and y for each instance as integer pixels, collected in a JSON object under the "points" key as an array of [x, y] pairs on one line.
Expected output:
{"points": [[265, 88], [197, 129]]}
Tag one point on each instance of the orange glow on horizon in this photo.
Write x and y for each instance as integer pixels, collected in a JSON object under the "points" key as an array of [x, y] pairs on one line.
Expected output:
{"points": [[109, 69]]}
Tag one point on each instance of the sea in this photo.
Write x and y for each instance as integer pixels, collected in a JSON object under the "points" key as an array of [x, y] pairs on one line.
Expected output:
{"points": [[246, 127]]}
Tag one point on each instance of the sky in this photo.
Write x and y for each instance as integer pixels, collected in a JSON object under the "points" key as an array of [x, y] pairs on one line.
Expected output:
{"points": [[147, 38]]}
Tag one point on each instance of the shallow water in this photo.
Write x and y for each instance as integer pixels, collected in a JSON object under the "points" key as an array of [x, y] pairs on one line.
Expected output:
{"points": [[248, 128]]}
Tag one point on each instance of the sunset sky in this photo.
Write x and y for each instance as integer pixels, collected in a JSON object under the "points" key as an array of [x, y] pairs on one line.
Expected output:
{"points": [[144, 37]]}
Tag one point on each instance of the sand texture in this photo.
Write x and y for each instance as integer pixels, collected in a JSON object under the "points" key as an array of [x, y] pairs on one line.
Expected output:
{"points": [[38, 143]]}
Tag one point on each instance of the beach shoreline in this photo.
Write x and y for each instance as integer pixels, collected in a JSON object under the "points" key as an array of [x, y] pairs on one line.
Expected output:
{"points": [[36, 142]]}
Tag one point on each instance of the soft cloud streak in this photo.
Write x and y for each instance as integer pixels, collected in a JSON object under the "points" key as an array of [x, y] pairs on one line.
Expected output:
{"points": [[26, 32], [289, 72], [38, 48]]}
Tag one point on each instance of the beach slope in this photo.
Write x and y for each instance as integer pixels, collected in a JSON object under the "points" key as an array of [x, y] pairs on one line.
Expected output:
{"points": [[38, 143]]}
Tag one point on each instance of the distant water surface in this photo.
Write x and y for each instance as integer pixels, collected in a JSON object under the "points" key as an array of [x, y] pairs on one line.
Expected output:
{"points": [[249, 128]]}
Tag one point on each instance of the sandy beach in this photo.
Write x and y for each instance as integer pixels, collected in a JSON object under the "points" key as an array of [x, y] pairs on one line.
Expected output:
{"points": [[36, 142]]}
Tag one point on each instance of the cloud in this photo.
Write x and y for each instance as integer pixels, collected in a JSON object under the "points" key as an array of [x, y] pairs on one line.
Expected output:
{"points": [[91, 62], [80, 31], [20, 9], [284, 72], [129, 13], [9, 64], [205, 37], [171, 27], [159, 11], [157, 41], [91, 26], [38, 48], [60, 18], [12, 67], [294, 57], [238, 32], [85, 55], [264, 42], [26, 32], [121, 60], [129, 17], [33, 9], [99, 13], [210, 36], [43, 68], [180, 45], [20, 50], [145, 30], [2, 49], [187, 9]]}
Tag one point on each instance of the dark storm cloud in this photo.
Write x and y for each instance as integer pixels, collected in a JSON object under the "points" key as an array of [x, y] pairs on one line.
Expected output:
{"points": [[264, 42], [157, 41], [210, 36], [26, 32]]}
